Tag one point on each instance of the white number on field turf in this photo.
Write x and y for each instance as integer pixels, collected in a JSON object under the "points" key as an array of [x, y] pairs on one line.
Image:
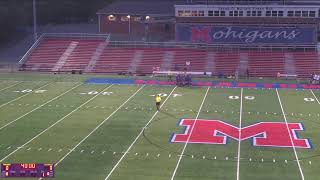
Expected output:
{"points": [[96, 92], [30, 90], [309, 99], [246, 97], [165, 95]]}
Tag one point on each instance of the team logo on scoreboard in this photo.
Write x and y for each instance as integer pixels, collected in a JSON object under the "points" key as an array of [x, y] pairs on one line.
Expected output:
{"points": [[273, 134]]}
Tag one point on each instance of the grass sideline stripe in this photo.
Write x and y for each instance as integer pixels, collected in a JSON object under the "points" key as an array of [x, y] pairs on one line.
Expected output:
{"points": [[315, 96], [185, 145], [239, 142], [83, 104], [10, 86], [294, 149], [24, 95], [40, 106], [135, 140], [97, 127]]}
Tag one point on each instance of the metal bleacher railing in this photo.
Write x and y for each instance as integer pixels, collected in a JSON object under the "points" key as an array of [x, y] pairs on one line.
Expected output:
{"points": [[215, 47]]}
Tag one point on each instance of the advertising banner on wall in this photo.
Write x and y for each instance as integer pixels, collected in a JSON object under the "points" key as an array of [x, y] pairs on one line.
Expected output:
{"points": [[246, 34]]}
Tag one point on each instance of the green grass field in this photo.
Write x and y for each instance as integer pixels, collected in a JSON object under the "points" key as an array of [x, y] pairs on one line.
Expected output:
{"points": [[114, 131]]}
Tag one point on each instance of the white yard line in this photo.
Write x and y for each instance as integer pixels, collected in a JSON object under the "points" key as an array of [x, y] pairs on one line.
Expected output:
{"points": [[141, 132], [294, 149], [10, 86], [24, 95], [185, 145], [97, 127], [315, 97], [40, 106], [239, 141], [54, 124]]}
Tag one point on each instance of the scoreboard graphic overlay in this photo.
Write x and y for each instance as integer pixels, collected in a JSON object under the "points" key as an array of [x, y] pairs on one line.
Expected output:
{"points": [[27, 170]]}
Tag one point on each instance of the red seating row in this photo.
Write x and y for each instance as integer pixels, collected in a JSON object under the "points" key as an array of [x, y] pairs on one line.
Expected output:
{"points": [[113, 60]]}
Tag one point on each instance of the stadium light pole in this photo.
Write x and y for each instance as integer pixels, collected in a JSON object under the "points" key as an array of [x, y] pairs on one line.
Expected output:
{"points": [[35, 35], [129, 19]]}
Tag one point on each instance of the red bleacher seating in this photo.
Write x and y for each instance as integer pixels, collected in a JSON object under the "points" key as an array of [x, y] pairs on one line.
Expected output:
{"points": [[306, 63], [266, 64], [114, 60], [197, 58], [151, 58], [82, 54], [46, 55], [117, 59]]}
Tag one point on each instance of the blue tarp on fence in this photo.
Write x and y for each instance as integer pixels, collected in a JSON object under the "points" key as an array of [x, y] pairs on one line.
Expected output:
{"points": [[205, 83]]}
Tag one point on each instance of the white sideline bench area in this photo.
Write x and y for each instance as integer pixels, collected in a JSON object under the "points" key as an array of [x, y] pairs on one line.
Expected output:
{"points": [[165, 73]]}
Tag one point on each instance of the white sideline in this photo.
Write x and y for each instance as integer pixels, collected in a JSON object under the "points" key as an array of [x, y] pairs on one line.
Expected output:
{"points": [[54, 124], [99, 125], [10, 86], [185, 145], [39, 106], [126, 152], [24, 95], [294, 149], [239, 141], [315, 97]]}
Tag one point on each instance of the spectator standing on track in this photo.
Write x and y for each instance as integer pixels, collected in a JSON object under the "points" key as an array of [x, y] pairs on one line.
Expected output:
{"points": [[158, 102], [188, 63]]}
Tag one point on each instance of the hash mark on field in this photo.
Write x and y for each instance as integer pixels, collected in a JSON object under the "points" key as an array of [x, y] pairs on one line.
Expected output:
{"points": [[81, 151], [9, 147], [29, 149], [49, 149], [92, 152], [114, 153], [158, 155]]}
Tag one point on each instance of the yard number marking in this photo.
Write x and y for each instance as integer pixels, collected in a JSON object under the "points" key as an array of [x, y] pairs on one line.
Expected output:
{"points": [[30, 90], [309, 99], [96, 92], [246, 97]]}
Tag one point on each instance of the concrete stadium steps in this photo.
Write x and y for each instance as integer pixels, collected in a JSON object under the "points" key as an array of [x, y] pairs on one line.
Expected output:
{"points": [[81, 56], [47, 54]]}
